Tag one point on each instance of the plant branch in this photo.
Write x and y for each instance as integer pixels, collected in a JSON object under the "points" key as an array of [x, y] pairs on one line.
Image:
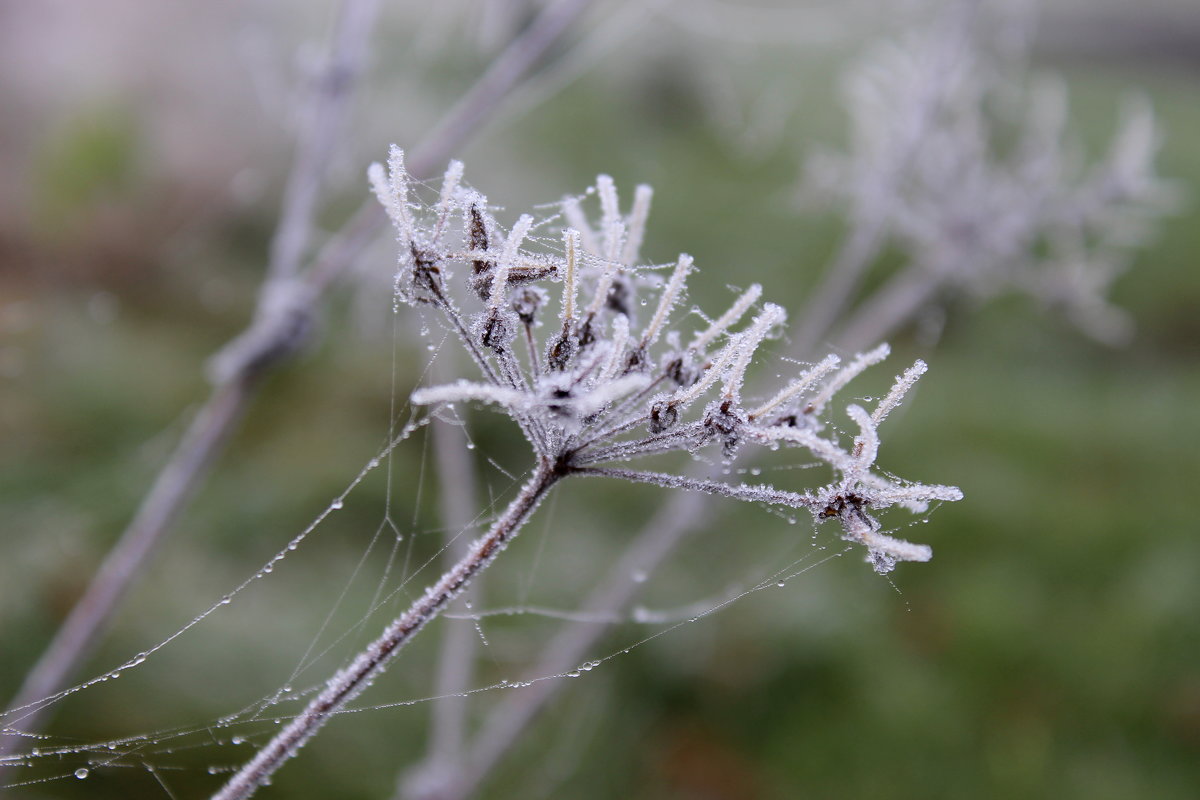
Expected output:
{"points": [[840, 281], [892, 305], [350, 681], [326, 116], [752, 493]]}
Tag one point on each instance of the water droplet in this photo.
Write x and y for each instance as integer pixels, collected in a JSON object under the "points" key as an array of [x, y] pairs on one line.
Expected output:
{"points": [[336, 504], [470, 445], [781, 584], [81, 773], [574, 673], [237, 740]]}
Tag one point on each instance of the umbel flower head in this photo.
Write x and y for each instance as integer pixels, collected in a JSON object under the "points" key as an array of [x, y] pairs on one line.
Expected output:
{"points": [[574, 339]]}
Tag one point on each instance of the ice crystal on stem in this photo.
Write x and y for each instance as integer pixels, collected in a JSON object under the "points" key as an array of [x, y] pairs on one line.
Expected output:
{"points": [[601, 386]]}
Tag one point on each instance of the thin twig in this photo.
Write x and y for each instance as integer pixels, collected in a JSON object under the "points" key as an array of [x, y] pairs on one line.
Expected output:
{"points": [[482, 99], [752, 493], [841, 279], [326, 116], [350, 681], [891, 306]]}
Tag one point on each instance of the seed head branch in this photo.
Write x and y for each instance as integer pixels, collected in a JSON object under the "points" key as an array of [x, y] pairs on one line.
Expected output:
{"points": [[588, 396]]}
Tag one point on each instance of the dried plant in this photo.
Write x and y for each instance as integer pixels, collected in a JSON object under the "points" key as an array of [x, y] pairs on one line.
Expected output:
{"points": [[600, 389], [967, 165]]}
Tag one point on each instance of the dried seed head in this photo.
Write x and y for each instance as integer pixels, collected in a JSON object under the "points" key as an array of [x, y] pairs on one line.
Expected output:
{"points": [[602, 390]]}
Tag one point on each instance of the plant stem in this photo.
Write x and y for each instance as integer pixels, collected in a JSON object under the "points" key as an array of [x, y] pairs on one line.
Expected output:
{"points": [[350, 681], [838, 285], [324, 119], [681, 515], [892, 305]]}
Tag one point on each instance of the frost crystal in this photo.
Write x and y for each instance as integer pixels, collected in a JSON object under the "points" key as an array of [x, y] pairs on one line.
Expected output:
{"points": [[600, 386]]}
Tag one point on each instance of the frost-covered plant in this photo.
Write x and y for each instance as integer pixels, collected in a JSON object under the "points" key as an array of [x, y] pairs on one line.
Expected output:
{"points": [[602, 388], [596, 385], [967, 165]]}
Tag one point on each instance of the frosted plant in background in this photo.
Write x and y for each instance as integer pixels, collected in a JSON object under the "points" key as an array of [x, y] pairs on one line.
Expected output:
{"points": [[594, 383], [968, 166]]}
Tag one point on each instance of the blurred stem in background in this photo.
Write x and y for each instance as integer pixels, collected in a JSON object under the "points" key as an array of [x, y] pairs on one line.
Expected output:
{"points": [[457, 501], [282, 320]]}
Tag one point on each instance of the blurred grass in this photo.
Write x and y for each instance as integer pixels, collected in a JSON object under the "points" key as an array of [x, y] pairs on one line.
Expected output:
{"points": [[1050, 649]]}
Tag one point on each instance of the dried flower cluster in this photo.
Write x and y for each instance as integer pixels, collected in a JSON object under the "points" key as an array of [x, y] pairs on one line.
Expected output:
{"points": [[608, 379], [972, 170]]}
